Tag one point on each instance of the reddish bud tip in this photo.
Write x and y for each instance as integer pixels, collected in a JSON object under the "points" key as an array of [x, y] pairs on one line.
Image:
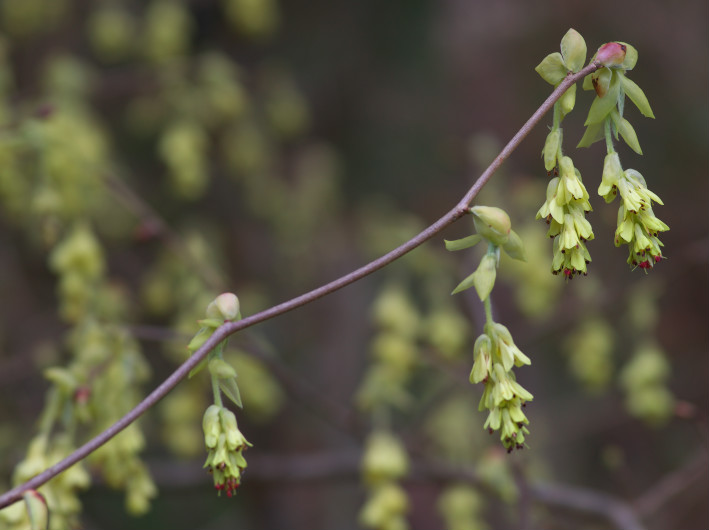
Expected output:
{"points": [[611, 54]]}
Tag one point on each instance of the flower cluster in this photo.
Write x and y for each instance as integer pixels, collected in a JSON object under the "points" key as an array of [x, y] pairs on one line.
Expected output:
{"points": [[637, 224], [495, 352], [226, 445], [565, 211], [567, 199], [495, 355]]}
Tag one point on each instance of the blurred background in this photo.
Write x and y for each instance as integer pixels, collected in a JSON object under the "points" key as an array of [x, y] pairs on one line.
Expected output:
{"points": [[155, 154]]}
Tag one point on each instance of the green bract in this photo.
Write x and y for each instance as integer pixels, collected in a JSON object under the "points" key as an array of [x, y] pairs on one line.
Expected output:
{"points": [[552, 68], [573, 49], [612, 85], [491, 223], [555, 66]]}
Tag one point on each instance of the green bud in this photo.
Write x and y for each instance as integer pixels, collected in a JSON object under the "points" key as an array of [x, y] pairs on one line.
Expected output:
{"points": [[211, 425], [234, 439], [225, 306], [492, 223], [612, 173], [573, 50], [483, 359]]}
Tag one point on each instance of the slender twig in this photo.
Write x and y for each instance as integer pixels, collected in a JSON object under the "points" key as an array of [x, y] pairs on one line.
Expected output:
{"points": [[618, 512], [672, 485], [230, 328]]}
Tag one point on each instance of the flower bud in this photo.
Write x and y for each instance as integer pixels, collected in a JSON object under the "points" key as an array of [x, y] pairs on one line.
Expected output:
{"points": [[483, 360], [492, 223], [211, 426], [612, 172], [225, 306], [611, 54]]}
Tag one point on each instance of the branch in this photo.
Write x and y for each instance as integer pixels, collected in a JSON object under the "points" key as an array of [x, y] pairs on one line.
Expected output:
{"points": [[346, 465], [230, 328]]}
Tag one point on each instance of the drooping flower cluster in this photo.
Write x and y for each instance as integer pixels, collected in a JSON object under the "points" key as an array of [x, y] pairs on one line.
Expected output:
{"points": [[226, 445], [495, 352], [495, 355], [638, 226], [567, 199], [565, 211]]}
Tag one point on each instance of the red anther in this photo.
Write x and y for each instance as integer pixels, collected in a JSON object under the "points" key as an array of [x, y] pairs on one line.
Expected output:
{"points": [[658, 259]]}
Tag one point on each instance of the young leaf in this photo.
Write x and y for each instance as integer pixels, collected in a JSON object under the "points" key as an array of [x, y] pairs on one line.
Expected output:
{"points": [[466, 242], [231, 390], [592, 135], [588, 82], [484, 277], [197, 369], [573, 49], [514, 247], [637, 96], [465, 284], [568, 100], [213, 323], [601, 106], [199, 339], [552, 68], [627, 132], [551, 149], [631, 57]]}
